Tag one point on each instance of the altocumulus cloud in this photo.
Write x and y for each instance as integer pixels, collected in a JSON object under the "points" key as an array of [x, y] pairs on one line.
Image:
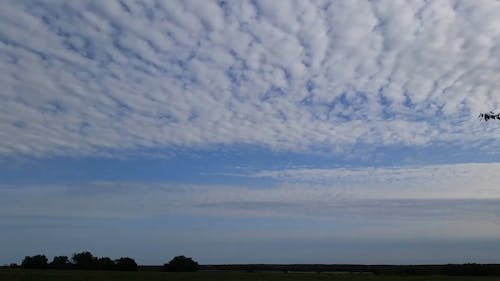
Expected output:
{"points": [[90, 77]]}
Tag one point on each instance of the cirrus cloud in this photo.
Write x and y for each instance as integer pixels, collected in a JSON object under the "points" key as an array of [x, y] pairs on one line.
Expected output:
{"points": [[427, 193]]}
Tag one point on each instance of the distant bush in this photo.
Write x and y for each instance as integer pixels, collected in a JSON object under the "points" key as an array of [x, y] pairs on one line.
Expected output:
{"points": [[38, 262], [181, 264], [105, 263], [60, 262], [85, 260], [126, 264]]}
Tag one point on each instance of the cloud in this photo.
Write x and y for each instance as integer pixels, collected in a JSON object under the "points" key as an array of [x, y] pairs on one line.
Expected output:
{"points": [[136, 200], [90, 78], [453, 181], [447, 193]]}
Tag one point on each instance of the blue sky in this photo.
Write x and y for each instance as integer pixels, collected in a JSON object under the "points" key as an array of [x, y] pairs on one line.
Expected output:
{"points": [[250, 131]]}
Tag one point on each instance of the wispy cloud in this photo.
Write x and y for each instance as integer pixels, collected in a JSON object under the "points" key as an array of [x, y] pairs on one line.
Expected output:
{"points": [[457, 181], [449, 192], [93, 77]]}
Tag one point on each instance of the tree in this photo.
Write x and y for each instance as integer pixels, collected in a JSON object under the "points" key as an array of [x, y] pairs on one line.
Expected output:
{"points": [[489, 115], [181, 264], [85, 260], [126, 264], [60, 262], [105, 263], [38, 261]]}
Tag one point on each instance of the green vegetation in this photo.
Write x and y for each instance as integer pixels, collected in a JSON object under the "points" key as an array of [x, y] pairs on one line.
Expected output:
{"points": [[77, 275]]}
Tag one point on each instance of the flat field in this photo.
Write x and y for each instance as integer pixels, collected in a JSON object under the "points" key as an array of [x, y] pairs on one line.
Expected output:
{"points": [[74, 275]]}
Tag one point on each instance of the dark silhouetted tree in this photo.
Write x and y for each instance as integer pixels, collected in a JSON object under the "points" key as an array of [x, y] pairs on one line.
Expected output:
{"points": [[106, 263], [85, 260], [126, 264], [60, 262], [181, 264], [38, 261], [489, 115]]}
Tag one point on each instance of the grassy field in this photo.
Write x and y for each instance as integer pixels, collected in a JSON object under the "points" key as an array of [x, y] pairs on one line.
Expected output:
{"points": [[51, 275]]}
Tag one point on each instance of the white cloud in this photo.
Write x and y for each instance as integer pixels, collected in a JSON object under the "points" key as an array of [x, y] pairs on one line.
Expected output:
{"points": [[86, 78], [447, 193], [456, 181]]}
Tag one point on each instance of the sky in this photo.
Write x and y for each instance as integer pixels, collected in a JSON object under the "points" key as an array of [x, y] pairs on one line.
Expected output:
{"points": [[250, 131]]}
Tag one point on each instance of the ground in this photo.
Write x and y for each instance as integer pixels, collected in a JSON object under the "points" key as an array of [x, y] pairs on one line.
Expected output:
{"points": [[73, 275]]}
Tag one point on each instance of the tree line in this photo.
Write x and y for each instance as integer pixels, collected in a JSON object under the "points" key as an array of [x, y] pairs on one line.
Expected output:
{"points": [[87, 261], [471, 269], [83, 261], [468, 269]]}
